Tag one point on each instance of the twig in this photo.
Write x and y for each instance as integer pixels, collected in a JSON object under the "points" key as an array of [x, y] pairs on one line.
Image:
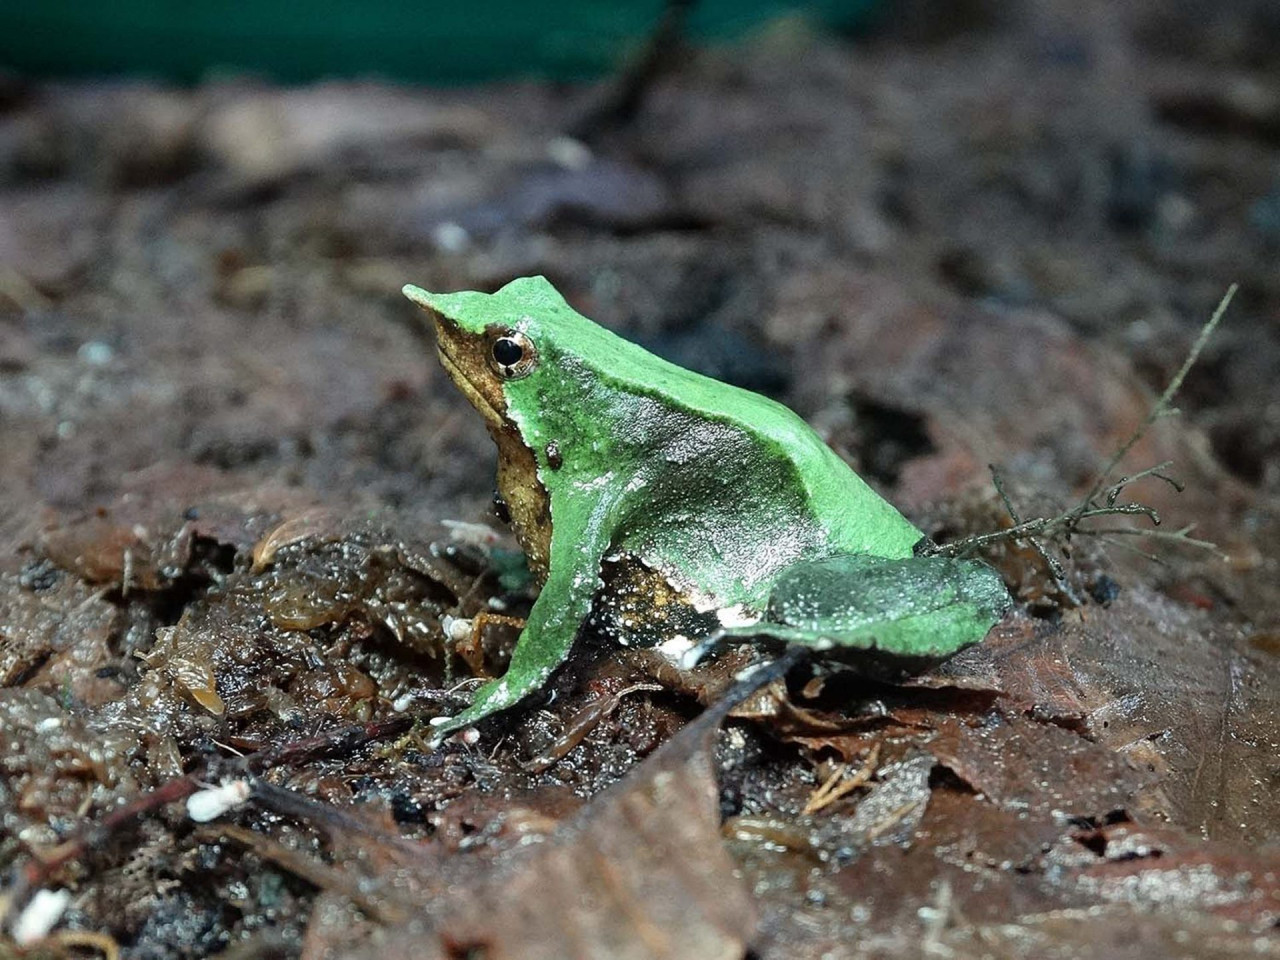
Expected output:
{"points": [[1179, 535], [833, 789], [620, 98], [320, 875], [1163, 403], [35, 873], [88, 939], [1117, 488], [892, 819], [1055, 567], [340, 741], [1130, 548], [1100, 500]]}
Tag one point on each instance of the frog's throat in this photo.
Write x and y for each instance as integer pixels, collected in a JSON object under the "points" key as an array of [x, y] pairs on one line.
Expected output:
{"points": [[519, 480], [491, 414]]}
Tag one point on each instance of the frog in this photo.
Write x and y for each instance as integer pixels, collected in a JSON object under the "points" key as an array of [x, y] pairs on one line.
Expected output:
{"points": [[721, 506]]}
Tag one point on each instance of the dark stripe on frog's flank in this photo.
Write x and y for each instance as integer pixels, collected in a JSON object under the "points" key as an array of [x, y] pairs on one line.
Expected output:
{"points": [[637, 606]]}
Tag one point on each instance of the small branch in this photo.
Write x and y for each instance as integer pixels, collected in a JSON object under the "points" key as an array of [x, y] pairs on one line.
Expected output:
{"points": [[1165, 398], [1100, 500], [1177, 536], [1055, 567], [36, 872], [621, 97], [1114, 491], [1123, 509], [320, 875], [837, 787], [1130, 548]]}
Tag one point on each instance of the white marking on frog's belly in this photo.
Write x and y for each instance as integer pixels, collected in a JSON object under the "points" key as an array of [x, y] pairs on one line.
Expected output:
{"points": [[737, 616], [675, 650]]}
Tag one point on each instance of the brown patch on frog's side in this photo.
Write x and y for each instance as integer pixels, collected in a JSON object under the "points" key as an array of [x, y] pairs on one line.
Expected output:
{"points": [[465, 358], [638, 606], [525, 497]]}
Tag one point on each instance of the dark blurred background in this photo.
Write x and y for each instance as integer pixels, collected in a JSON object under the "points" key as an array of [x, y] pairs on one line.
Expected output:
{"points": [[895, 216], [395, 39]]}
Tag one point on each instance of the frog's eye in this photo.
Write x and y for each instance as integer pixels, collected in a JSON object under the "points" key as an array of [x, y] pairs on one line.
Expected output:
{"points": [[512, 355]]}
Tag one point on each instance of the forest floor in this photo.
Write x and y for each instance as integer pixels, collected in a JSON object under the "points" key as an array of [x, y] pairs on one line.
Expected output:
{"points": [[228, 456]]}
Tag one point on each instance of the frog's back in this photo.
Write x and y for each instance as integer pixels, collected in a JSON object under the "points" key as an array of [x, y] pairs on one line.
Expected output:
{"points": [[780, 466], [855, 518]]}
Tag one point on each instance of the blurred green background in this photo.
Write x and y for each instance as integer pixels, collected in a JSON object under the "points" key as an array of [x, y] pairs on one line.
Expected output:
{"points": [[432, 41]]}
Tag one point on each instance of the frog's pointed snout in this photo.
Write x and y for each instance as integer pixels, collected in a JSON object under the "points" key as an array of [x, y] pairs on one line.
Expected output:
{"points": [[428, 301], [465, 311]]}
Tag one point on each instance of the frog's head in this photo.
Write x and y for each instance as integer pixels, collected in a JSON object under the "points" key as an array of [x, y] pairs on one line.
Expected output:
{"points": [[487, 341], [515, 353]]}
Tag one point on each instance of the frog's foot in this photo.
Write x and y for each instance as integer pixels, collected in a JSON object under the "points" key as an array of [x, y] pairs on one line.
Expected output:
{"points": [[911, 612], [493, 697]]}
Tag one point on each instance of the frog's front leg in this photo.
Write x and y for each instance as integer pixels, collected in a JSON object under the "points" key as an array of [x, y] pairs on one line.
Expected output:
{"points": [[910, 612], [579, 540]]}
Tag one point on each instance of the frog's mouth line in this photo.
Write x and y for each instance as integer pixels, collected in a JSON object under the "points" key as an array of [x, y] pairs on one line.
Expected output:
{"points": [[468, 389]]}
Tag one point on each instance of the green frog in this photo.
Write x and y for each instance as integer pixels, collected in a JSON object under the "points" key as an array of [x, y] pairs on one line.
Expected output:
{"points": [[626, 476]]}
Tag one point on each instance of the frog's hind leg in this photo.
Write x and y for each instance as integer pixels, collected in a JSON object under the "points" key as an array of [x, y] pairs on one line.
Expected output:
{"points": [[904, 614]]}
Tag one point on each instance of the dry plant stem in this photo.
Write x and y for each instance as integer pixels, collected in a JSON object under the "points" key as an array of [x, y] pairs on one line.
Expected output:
{"points": [[1162, 405], [1055, 567], [1100, 501], [1179, 535], [833, 789], [87, 940], [1063, 523], [578, 726], [894, 817], [1157, 471], [338, 822], [320, 875], [1130, 548], [334, 742]]}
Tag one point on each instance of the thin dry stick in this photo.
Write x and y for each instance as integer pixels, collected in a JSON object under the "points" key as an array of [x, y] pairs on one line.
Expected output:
{"points": [[1100, 501], [833, 789], [1162, 405], [895, 816], [35, 872], [1055, 567], [102, 942]]}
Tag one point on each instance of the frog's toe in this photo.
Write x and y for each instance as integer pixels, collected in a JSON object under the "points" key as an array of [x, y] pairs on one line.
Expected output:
{"points": [[494, 697]]}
